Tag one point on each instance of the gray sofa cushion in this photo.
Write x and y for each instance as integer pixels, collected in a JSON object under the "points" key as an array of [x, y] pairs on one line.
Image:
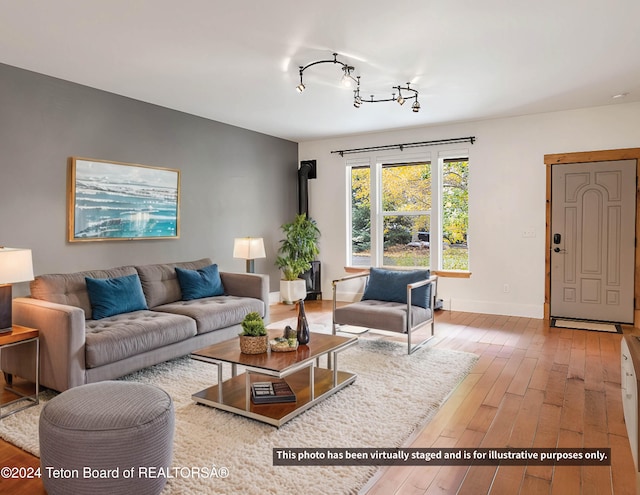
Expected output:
{"points": [[382, 315], [71, 288], [160, 282], [111, 339], [212, 313]]}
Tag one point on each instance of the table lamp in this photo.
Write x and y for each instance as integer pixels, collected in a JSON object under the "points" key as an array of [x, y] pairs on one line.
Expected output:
{"points": [[15, 266], [248, 248]]}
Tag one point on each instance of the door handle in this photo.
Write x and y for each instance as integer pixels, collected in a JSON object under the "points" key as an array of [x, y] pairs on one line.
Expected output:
{"points": [[558, 250]]}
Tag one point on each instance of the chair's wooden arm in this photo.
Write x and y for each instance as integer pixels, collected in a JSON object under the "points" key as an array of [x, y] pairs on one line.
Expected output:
{"points": [[426, 281], [350, 277]]}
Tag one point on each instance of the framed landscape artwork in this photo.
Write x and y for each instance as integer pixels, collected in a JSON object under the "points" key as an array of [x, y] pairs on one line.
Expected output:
{"points": [[122, 201]]}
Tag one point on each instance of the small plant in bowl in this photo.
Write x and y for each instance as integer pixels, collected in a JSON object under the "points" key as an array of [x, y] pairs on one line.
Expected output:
{"points": [[288, 341], [253, 338]]}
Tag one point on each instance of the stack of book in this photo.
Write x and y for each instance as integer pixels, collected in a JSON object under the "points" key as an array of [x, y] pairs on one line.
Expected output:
{"points": [[270, 392]]}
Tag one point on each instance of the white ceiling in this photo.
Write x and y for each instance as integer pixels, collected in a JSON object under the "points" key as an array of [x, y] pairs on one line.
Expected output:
{"points": [[237, 61]]}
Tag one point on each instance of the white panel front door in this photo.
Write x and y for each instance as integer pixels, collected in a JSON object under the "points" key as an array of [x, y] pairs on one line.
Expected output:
{"points": [[593, 240]]}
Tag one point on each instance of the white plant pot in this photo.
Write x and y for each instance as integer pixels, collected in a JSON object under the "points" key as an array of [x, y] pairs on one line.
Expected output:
{"points": [[293, 290]]}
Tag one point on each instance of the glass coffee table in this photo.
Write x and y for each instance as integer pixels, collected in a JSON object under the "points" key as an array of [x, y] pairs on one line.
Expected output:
{"points": [[301, 369]]}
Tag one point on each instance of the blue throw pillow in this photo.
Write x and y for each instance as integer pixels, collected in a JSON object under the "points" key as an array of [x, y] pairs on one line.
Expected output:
{"points": [[195, 284], [112, 296], [391, 285]]}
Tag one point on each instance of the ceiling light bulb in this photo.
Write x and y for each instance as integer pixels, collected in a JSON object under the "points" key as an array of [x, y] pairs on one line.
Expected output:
{"points": [[416, 106], [400, 100], [300, 88], [357, 101], [347, 78]]}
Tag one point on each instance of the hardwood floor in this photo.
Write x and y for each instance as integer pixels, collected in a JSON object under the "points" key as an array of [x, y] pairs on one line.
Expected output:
{"points": [[533, 386]]}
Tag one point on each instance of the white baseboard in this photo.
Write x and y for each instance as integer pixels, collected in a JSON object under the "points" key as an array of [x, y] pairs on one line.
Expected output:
{"points": [[497, 308]]}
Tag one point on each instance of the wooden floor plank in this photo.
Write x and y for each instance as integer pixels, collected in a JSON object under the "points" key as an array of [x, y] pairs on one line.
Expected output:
{"points": [[503, 382], [508, 479], [474, 399], [596, 479], [556, 385], [520, 382], [480, 478], [526, 422], [572, 417], [546, 436], [450, 477], [615, 413], [567, 479], [534, 486]]}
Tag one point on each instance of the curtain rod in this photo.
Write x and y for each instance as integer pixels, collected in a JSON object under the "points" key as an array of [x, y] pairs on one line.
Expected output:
{"points": [[401, 147]]}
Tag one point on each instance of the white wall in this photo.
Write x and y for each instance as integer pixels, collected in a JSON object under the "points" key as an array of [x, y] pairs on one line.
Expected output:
{"points": [[506, 196]]}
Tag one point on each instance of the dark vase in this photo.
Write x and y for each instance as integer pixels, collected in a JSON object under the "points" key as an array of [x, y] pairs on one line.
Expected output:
{"points": [[303, 326]]}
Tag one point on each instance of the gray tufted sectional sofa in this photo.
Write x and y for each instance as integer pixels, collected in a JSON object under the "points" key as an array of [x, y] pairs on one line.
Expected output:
{"points": [[76, 349]]}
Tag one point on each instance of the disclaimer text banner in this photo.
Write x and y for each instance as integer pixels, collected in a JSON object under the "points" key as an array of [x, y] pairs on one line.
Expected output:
{"points": [[440, 457]]}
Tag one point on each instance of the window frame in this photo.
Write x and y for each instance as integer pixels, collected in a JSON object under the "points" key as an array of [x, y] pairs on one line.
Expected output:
{"points": [[375, 161]]}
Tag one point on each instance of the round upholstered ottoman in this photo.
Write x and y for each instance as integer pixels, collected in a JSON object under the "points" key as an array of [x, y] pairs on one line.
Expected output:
{"points": [[110, 437]]}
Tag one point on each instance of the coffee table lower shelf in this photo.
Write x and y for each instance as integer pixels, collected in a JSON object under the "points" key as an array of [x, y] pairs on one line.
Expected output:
{"points": [[234, 395]]}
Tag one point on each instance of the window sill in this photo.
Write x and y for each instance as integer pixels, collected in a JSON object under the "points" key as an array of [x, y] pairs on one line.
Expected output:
{"points": [[452, 273], [439, 273]]}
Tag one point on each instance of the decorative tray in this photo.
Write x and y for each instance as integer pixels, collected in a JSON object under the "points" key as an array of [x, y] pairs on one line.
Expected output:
{"points": [[283, 345]]}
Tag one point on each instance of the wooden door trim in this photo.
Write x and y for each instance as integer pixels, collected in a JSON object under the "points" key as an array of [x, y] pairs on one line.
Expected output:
{"points": [[586, 157]]}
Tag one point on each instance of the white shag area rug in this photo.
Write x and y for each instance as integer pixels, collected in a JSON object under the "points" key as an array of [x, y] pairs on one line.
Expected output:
{"points": [[394, 394]]}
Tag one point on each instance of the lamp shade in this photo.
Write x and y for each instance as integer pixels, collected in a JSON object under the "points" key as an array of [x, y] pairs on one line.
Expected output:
{"points": [[248, 248], [15, 265]]}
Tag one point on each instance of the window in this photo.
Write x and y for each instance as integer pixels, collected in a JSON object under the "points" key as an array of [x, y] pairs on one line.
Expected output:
{"points": [[406, 211], [399, 216], [455, 214], [360, 216]]}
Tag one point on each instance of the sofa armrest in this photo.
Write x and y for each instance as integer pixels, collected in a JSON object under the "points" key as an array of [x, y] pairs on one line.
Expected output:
{"points": [[254, 285], [62, 340]]}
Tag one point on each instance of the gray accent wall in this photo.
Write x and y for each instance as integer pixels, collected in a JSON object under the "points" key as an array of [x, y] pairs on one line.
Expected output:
{"points": [[235, 182]]}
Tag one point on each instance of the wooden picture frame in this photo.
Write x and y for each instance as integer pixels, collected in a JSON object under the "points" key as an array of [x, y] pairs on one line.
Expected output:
{"points": [[115, 201]]}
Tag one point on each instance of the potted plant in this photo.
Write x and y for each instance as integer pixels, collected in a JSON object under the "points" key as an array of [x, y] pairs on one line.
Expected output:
{"points": [[253, 338], [297, 250]]}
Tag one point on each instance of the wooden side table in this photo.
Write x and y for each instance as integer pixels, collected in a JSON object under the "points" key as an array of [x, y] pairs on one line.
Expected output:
{"points": [[22, 335]]}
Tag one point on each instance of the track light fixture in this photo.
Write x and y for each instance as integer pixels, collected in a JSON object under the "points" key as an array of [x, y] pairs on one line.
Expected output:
{"points": [[348, 79], [358, 101]]}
